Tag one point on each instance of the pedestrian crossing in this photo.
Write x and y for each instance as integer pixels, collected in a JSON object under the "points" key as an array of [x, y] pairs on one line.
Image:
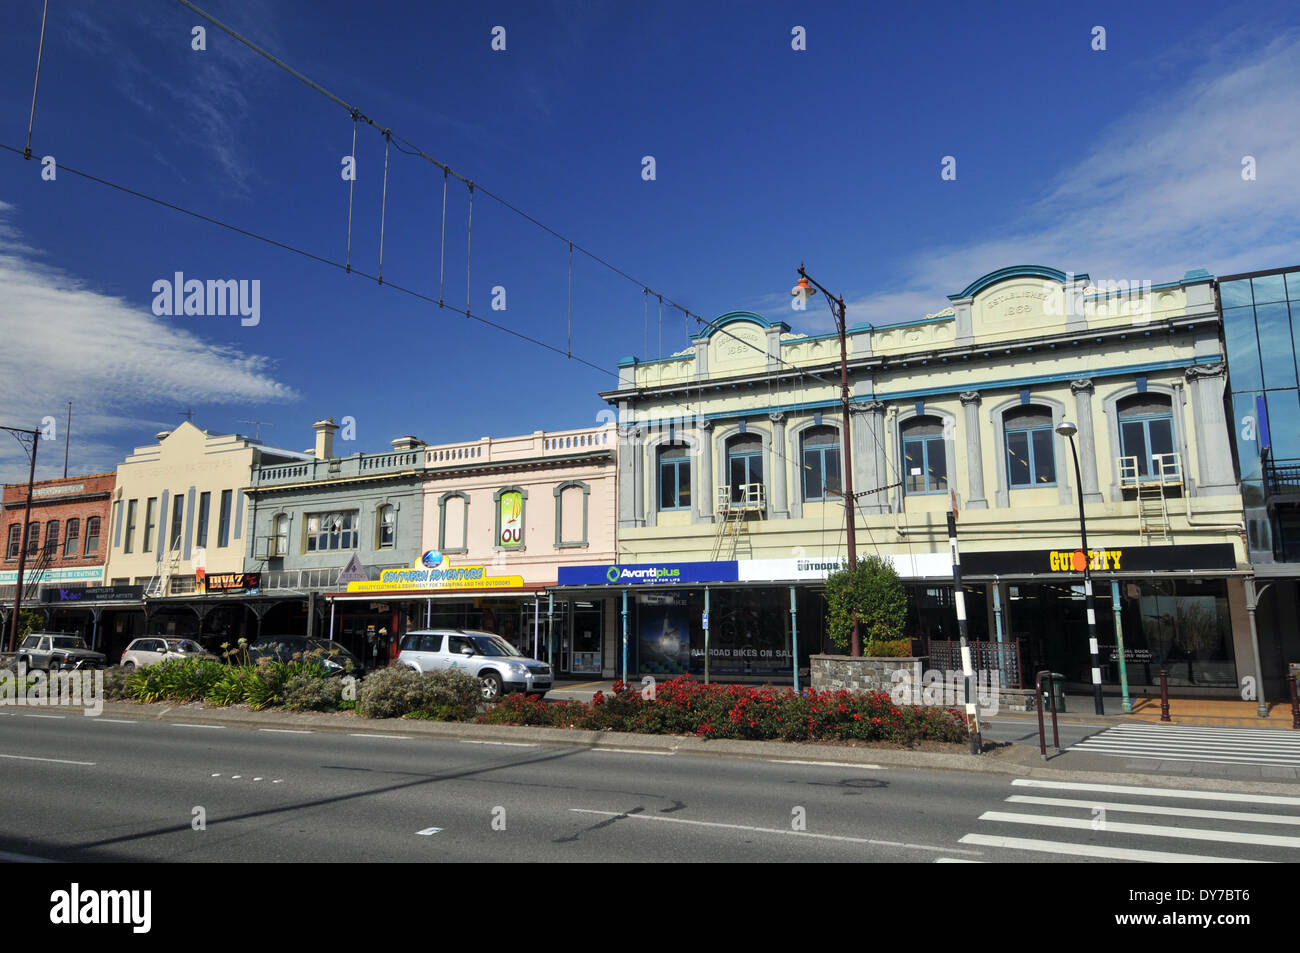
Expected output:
{"points": [[1258, 746], [1064, 820]]}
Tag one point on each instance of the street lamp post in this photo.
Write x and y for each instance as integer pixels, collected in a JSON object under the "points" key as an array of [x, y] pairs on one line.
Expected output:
{"points": [[1067, 429], [804, 290]]}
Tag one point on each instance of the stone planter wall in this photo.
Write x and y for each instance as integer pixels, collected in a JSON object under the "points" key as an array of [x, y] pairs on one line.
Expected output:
{"points": [[833, 673]]}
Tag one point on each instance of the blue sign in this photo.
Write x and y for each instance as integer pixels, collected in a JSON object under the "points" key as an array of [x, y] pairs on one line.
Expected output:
{"points": [[648, 574]]}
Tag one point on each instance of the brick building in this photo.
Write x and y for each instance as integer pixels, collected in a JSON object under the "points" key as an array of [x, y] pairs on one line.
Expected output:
{"points": [[67, 544]]}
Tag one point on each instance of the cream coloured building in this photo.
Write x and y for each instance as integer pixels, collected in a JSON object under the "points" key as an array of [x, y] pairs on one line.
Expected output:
{"points": [[732, 450]]}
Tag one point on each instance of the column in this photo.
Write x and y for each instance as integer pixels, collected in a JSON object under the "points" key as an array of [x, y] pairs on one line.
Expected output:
{"points": [[704, 447], [627, 483], [780, 508], [1082, 390], [970, 403], [637, 446], [1210, 423], [868, 448]]}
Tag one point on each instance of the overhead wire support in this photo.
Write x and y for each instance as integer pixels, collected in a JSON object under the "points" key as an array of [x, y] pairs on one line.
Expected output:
{"points": [[40, 50], [383, 208], [570, 299], [442, 255], [469, 242], [352, 184]]}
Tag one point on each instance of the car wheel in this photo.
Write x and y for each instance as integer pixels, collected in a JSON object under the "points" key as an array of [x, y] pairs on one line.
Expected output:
{"points": [[128, 666], [491, 685]]}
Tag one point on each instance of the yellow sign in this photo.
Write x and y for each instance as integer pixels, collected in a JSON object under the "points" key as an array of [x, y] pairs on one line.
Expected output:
{"points": [[435, 572]]}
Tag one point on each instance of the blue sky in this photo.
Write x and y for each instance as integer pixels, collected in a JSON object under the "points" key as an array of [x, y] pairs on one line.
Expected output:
{"points": [[1123, 163]]}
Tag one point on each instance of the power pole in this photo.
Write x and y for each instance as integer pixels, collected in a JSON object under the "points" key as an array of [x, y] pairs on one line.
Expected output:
{"points": [[22, 543]]}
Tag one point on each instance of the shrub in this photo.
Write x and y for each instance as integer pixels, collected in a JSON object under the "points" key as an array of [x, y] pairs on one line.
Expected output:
{"points": [[117, 684], [873, 590], [305, 691], [399, 691], [894, 648], [230, 689], [265, 683]]}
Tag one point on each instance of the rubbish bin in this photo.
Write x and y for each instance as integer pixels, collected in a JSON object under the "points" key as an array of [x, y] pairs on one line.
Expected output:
{"points": [[1058, 682]]}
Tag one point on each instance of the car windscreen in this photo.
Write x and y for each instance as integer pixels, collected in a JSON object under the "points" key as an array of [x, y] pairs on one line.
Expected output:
{"points": [[186, 647], [67, 642], [495, 646]]}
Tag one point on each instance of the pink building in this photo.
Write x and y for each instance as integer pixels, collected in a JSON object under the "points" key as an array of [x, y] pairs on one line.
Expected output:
{"points": [[501, 515]]}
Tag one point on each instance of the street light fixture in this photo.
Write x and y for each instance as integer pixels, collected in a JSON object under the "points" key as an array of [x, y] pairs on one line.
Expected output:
{"points": [[804, 290], [1067, 429]]}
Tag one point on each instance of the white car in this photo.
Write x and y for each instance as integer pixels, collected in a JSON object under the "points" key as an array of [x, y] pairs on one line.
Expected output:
{"points": [[154, 648], [489, 658]]}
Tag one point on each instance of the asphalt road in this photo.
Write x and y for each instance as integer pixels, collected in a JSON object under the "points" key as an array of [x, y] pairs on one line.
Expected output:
{"points": [[101, 789]]}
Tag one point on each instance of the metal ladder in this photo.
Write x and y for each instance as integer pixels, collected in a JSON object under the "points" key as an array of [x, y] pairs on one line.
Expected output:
{"points": [[1152, 492], [158, 584], [733, 528]]}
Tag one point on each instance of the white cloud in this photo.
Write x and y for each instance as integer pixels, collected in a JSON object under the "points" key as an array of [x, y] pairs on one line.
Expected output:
{"points": [[64, 340], [1158, 191]]}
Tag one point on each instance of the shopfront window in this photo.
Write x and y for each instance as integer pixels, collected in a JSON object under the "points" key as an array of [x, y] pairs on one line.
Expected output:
{"points": [[745, 468], [674, 478], [821, 463], [1146, 429], [925, 456], [1031, 458]]}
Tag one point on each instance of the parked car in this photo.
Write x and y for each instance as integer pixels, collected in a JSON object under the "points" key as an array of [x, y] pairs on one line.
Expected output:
{"points": [[152, 649], [53, 651], [489, 658], [331, 654]]}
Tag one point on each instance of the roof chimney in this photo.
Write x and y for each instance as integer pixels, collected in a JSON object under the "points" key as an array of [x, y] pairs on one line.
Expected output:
{"points": [[407, 443], [325, 438]]}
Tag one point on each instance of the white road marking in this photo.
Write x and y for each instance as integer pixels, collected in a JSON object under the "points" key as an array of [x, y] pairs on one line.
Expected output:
{"points": [[429, 830], [772, 830], [1092, 850], [508, 744], [665, 754], [956, 860], [257, 779], [235, 777], [216, 775], [183, 724], [26, 715], [1146, 830], [116, 721], [278, 781], [827, 764], [1156, 809], [358, 734], [288, 731], [21, 757], [1160, 792]]}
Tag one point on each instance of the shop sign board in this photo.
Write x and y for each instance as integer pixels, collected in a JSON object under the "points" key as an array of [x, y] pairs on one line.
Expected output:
{"points": [[434, 571], [1046, 562], [816, 569], [94, 594], [648, 574], [75, 574], [213, 582]]}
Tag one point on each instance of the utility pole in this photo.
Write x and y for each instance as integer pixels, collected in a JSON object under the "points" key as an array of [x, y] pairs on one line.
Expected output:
{"points": [[67, 440], [968, 670], [22, 543]]}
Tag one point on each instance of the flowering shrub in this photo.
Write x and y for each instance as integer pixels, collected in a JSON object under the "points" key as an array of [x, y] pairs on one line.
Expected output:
{"points": [[685, 706]]}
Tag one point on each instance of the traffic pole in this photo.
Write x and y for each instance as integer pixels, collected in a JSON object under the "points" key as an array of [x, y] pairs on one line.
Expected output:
{"points": [[968, 670]]}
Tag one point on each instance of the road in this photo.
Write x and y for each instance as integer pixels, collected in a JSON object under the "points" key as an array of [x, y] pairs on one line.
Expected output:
{"points": [[101, 789]]}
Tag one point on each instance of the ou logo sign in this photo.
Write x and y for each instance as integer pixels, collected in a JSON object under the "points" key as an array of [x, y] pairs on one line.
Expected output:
{"points": [[511, 519]]}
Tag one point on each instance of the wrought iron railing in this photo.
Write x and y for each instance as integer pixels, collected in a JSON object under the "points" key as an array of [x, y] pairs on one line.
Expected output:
{"points": [[1001, 657]]}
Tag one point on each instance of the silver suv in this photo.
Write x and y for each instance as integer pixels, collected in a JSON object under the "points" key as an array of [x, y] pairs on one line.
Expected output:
{"points": [[491, 659], [53, 651], [155, 648]]}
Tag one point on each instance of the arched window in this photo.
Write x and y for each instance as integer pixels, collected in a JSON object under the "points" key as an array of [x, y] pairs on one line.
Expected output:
{"points": [[1031, 456], [925, 456], [1146, 429], [820, 457], [674, 477], [387, 527], [52, 537], [71, 538], [745, 468]]}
